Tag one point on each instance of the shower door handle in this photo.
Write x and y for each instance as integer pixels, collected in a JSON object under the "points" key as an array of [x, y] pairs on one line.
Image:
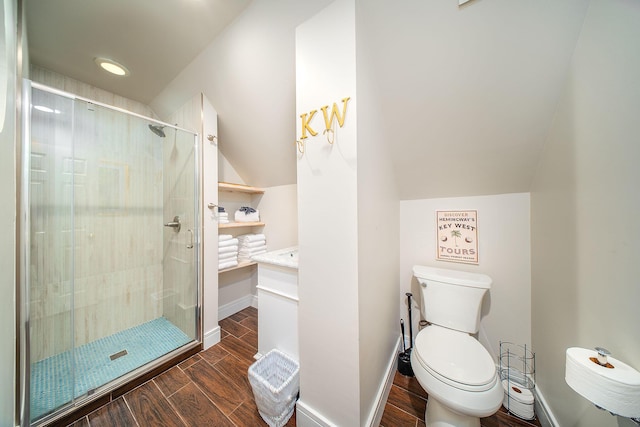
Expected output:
{"points": [[175, 224], [190, 244]]}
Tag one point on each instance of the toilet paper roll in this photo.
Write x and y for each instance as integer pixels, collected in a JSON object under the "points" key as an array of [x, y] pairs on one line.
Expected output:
{"points": [[518, 400], [517, 392], [615, 389]]}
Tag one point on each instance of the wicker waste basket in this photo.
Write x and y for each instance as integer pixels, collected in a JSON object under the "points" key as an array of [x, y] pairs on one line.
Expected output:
{"points": [[275, 383]]}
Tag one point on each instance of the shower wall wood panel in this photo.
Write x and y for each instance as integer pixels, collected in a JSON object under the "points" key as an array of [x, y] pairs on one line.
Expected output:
{"points": [[117, 223]]}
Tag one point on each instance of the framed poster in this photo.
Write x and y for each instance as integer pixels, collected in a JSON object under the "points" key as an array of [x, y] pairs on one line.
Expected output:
{"points": [[457, 233]]}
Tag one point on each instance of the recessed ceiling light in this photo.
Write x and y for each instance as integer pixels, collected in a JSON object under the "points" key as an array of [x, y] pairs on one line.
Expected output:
{"points": [[112, 66]]}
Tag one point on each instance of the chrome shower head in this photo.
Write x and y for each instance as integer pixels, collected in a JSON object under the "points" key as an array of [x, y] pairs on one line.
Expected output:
{"points": [[157, 129]]}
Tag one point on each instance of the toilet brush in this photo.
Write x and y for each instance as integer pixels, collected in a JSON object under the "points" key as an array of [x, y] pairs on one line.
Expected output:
{"points": [[409, 295]]}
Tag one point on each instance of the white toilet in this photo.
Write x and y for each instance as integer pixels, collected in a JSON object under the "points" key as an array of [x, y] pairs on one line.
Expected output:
{"points": [[450, 364]]}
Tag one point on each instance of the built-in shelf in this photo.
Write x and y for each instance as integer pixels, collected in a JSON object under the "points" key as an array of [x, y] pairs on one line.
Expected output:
{"points": [[240, 265], [239, 188], [241, 224], [246, 189]]}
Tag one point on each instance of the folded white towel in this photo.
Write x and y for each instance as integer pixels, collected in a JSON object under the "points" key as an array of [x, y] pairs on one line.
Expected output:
{"points": [[249, 248], [228, 249], [255, 244], [222, 266], [252, 237], [252, 251], [223, 215], [230, 242], [241, 216], [223, 237], [227, 256], [242, 258], [223, 221]]}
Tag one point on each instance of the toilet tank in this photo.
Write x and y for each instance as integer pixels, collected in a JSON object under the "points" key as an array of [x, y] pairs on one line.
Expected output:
{"points": [[451, 298]]}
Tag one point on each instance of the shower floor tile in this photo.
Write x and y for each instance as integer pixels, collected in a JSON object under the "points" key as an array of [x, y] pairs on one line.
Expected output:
{"points": [[52, 379]]}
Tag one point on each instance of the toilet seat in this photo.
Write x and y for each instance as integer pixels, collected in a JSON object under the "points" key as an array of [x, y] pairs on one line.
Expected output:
{"points": [[455, 358]]}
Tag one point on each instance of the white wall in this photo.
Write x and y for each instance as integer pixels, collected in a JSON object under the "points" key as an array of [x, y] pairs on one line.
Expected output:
{"points": [[378, 230], [328, 222], [8, 72], [226, 171], [470, 91], [504, 255], [348, 229], [279, 211], [248, 74], [584, 204]]}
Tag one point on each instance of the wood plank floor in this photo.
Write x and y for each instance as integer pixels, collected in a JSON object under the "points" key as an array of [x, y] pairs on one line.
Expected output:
{"points": [[407, 402], [212, 389], [209, 389]]}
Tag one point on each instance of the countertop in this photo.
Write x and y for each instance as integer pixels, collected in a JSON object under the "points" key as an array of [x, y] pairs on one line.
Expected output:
{"points": [[287, 257]]}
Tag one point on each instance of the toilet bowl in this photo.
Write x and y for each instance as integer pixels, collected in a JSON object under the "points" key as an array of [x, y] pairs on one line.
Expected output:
{"points": [[458, 375], [456, 371]]}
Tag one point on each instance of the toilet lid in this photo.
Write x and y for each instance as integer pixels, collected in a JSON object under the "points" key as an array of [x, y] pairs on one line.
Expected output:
{"points": [[455, 357]]}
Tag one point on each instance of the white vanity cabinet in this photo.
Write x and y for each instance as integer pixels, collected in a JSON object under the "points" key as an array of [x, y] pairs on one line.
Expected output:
{"points": [[278, 302]]}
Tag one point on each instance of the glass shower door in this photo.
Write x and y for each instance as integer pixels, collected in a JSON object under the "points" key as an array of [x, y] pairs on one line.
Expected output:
{"points": [[50, 269], [113, 249], [180, 232]]}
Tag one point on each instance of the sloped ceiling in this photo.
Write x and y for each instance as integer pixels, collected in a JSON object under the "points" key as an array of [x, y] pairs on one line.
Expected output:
{"points": [[248, 74], [154, 39], [467, 93]]}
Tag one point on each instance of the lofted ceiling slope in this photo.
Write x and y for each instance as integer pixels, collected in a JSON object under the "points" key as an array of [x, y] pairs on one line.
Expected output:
{"points": [[467, 93], [155, 39], [248, 74]]}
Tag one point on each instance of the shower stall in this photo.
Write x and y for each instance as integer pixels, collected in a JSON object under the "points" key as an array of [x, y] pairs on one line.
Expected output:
{"points": [[110, 254]]}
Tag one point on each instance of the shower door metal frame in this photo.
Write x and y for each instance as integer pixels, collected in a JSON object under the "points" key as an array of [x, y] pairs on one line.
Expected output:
{"points": [[23, 313]]}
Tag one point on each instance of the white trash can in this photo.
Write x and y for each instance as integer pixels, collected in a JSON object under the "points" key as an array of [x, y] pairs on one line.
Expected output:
{"points": [[275, 381]]}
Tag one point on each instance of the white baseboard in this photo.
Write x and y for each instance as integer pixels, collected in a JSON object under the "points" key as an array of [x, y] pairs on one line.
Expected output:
{"points": [[309, 417], [374, 418], [233, 307], [544, 414], [306, 416], [211, 338]]}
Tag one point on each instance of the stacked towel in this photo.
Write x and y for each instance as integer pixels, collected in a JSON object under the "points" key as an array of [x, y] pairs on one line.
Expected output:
{"points": [[247, 214], [250, 245], [223, 216], [227, 251]]}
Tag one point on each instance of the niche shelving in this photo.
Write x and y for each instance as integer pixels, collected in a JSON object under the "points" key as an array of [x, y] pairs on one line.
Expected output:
{"points": [[227, 187]]}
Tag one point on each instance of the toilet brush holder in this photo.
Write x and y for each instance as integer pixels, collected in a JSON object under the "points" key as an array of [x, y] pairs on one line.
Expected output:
{"points": [[404, 363], [404, 357]]}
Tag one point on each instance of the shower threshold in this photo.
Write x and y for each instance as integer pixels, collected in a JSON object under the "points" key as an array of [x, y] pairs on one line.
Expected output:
{"points": [[99, 362]]}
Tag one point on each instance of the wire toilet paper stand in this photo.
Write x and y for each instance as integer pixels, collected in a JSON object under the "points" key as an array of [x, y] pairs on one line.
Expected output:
{"points": [[517, 373]]}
